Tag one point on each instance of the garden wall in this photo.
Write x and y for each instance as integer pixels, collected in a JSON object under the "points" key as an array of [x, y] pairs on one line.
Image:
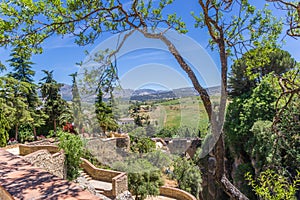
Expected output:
{"points": [[118, 179], [52, 163], [28, 149], [175, 193]]}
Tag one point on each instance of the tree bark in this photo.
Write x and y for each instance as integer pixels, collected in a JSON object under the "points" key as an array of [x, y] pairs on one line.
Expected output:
{"points": [[34, 133], [16, 132], [54, 125]]}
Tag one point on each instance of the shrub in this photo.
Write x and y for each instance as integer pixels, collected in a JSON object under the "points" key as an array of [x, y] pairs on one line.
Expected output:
{"points": [[73, 147], [143, 178], [272, 186], [188, 175]]}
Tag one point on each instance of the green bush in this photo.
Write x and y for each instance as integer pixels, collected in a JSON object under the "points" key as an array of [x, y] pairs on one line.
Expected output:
{"points": [[143, 178], [26, 134], [73, 147], [272, 186], [188, 175]]}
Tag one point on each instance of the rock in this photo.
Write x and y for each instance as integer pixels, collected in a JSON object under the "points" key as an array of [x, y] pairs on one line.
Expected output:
{"points": [[124, 196]]}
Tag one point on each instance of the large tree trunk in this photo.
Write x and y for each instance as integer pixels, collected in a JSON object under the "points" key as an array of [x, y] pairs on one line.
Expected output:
{"points": [[16, 132], [54, 125], [34, 133]]}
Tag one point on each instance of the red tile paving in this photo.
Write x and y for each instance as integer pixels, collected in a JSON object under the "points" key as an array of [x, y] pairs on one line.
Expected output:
{"points": [[25, 182]]}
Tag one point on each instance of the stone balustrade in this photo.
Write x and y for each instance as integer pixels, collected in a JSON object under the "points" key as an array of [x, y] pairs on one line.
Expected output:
{"points": [[118, 179], [175, 193]]}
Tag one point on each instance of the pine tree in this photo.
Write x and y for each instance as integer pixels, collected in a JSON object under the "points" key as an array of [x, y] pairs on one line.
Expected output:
{"points": [[26, 91], [104, 114], [54, 106], [76, 103]]}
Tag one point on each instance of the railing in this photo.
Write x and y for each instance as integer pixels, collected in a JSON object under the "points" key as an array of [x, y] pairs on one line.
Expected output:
{"points": [[175, 193], [118, 179]]}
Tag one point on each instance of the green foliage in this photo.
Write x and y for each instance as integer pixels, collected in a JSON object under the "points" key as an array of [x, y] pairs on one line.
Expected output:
{"points": [[73, 148], [23, 22], [243, 25], [142, 145], [243, 111], [287, 137], [143, 178], [272, 186], [105, 82], [20, 61], [159, 159], [263, 143], [248, 71], [138, 132], [4, 125], [26, 133], [76, 104], [188, 175], [54, 106], [180, 132], [104, 114]]}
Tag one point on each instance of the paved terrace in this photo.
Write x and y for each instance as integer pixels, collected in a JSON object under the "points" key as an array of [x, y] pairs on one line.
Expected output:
{"points": [[23, 181]]}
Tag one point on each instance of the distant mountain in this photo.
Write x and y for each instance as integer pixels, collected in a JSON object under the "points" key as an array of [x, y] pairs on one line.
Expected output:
{"points": [[66, 92], [145, 94]]}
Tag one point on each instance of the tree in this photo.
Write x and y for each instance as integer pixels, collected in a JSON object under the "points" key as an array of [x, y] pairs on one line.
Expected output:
{"points": [[188, 175], [13, 93], [7, 112], [292, 17], [248, 71], [76, 103], [22, 72], [104, 114], [54, 106], [87, 20]]}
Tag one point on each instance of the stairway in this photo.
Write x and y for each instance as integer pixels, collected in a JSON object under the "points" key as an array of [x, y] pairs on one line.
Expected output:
{"points": [[91, 182]]}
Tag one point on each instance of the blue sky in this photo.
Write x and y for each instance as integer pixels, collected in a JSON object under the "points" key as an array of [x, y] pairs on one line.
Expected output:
{"points": [[143, 67]]}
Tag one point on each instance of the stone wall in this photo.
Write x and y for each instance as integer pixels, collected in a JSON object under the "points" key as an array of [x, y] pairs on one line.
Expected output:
{"points": [[118, 179], [175, 193], [106, 150], [52, 163], [28, 149]]}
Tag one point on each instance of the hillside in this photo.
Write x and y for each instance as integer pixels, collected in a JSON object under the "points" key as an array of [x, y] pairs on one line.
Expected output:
{"points": [[145, 94]]}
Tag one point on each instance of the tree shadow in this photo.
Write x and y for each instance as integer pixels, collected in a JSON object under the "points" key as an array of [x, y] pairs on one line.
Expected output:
{"points": [[23, 181]]}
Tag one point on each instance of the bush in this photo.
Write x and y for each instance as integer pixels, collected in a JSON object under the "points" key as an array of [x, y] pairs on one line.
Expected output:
{"points": [[142, 145], [73, 147], [25, 134], [188, 175], [272, 186], [143, 178], [159, 159]]}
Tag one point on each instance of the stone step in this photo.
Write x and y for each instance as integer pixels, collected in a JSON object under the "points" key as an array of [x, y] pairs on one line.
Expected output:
{"points": [[85, 175]]}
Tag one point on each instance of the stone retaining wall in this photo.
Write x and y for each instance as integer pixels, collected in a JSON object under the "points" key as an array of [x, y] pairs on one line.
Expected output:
{"points": [[28, 149], [52, 163], [175, 193], [118, 179]]}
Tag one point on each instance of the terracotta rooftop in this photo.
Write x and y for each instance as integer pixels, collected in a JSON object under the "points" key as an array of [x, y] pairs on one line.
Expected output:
{"points": [[23, 181]]}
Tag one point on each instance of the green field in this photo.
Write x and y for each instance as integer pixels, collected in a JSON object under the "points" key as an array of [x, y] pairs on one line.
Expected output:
{"points": [[188, 112]]}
